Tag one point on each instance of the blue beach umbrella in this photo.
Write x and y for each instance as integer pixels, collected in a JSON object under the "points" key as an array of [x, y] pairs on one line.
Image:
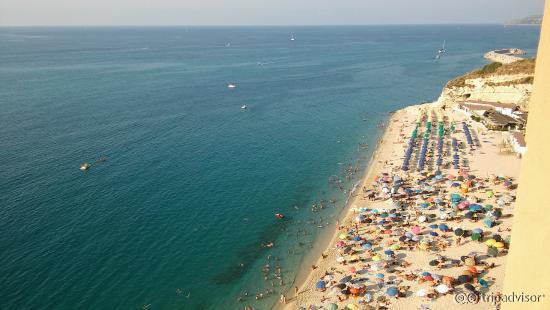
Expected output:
{"points": [[320, 285], [367, 246], [392, 291], [380, 276]]}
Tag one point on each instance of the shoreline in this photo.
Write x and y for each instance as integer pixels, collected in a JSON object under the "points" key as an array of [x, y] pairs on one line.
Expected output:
{"points": [[305, 274]]}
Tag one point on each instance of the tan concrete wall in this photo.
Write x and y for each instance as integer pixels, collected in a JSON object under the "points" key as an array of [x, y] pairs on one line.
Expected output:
{"points": [[528, 264]]}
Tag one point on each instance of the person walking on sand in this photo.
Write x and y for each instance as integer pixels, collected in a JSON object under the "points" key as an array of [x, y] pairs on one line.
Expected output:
{"points": [[283, 299]]}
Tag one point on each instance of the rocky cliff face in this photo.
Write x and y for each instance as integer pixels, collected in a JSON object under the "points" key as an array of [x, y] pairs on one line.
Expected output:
{"points": [[495, 82]]}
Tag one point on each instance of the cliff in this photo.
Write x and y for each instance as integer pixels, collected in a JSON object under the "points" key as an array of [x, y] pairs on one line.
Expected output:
{"points": [[496, 82], [530, 20]]}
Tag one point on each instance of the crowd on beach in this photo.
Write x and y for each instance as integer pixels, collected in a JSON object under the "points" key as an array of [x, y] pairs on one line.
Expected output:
{"points": [[423, 234]]}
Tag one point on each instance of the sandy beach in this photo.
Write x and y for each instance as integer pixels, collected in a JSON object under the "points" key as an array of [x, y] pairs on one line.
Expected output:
{"points": [[390, 251]]}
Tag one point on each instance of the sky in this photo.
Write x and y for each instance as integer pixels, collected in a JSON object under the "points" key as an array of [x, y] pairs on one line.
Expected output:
{"points": [[262, 12]]}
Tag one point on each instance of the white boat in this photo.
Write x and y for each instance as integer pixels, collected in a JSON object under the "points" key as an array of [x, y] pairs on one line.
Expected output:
{"points": [[244, 107], [292, 38], [442, 50], [85, 166], [231, 85]]}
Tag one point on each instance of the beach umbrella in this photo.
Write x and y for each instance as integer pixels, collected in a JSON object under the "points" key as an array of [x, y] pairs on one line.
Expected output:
{"points": [[470, 287], [490, 242], [499, 245], [469, 215], [389, 252], [415, 230], [356, 238], [459, 232], [470, 262], [416, 238], [464, 279], [392, 291], [340, 259], [379, 276], [343, 236], [352, 307], [355, 258], [483, 283], [476, 236], [497, 237], [421, 219], [442, 288], [421, 292], [433, 226], [488, 222], [340, 244], [321, 285], [328, 278], [477, 230], [475, 208], [434, 262], [376, 258], [352, 269], [433, 233], [492, 251], [345, 279], [367, 246], [443, 227]]}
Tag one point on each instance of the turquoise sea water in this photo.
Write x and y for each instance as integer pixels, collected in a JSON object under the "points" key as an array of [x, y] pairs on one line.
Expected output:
{"points": [[191, 182]]}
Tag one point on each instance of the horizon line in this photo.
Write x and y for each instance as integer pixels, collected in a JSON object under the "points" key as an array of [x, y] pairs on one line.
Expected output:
{"points": [[265, 25]]}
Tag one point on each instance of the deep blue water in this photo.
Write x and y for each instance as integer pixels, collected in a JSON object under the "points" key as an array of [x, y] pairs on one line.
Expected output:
{"points": [[191, 182]]}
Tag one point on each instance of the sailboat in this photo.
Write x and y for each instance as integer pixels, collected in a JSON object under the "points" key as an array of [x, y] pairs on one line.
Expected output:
{"points": [[292, 38], [441, 51]]}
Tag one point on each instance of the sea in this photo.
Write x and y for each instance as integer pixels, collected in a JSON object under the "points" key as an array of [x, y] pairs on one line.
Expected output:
{"points": [[177, 210]]}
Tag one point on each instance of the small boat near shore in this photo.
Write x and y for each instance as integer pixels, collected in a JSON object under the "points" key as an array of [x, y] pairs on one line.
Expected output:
{"points": [[244, 107], [230, 85], [279, 216], [85, 166]]}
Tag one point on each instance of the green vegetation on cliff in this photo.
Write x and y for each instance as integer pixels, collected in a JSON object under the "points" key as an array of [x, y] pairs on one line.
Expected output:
{"points": [[525, 66]]}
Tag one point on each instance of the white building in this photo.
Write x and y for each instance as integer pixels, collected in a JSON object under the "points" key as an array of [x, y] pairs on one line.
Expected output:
{"points": [[517, 141]]}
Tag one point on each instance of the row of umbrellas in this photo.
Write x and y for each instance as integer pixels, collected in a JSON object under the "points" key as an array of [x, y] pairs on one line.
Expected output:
{"points": [[454, 144], [410, 148], [440, 133], [467, 134]]}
